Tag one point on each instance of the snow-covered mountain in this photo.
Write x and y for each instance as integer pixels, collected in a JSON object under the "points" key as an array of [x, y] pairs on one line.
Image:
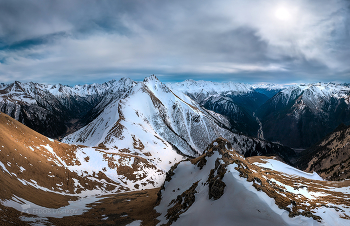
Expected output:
{"points": [[294, 115], [223, 188], [219, 87], [54, 110], [236, 101], [208, 87], [205, 88], [151, 114], [302, 115]]}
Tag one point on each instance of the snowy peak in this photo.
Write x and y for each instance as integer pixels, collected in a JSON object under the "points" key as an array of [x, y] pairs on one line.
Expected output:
{"points": [[59, 90], [150, 112], [309, 111], [269, 86], [154, 85], [151, 78], [320, 90], [315, 96]]}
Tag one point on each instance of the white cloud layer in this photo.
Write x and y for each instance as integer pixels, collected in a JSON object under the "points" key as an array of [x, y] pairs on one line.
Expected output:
{"points": [[248, 41]]}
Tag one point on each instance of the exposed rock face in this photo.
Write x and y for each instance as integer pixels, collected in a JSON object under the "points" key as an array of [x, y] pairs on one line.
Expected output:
{"points": [[181, 204], [235, 101], [240, 120], [216, 185]]}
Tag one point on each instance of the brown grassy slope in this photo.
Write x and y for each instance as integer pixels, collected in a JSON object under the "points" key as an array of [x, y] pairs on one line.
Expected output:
{"points": [[25, 158], [118, 209], [22, 148], [10, 216], [330, 158]]}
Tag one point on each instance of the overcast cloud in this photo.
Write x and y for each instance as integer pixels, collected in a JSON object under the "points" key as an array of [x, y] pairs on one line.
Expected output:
{"points": [[76, 42]]}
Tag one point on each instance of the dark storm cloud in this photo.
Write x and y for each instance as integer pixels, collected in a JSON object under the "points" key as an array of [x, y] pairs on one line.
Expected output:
{"points": [[93, 41]]}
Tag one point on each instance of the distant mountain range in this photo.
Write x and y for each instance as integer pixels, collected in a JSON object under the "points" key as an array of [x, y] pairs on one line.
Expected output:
{"points": [[297, 116], [300, 116], [55, 110]]}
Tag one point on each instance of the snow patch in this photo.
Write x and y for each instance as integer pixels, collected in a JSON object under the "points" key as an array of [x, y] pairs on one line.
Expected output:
{"points": [[284, 168]]}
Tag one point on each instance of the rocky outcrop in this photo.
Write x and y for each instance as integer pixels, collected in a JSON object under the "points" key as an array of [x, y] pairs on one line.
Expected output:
{"points": [[181, 204], [216, 185]]}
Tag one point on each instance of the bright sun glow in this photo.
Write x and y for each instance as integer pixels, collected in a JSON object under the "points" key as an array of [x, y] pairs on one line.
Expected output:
{"points": [[282, 14]]}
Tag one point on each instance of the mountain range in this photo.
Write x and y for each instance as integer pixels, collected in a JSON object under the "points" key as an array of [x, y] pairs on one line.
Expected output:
{"points": [[311, 111], [202, 143]]}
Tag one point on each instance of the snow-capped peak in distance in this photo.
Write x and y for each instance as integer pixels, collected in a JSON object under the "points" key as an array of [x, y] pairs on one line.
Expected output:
{"points": [[65, 90], [315, 91], [193, 86], [50, 109], [210, 87], [270, 86], [318, 107], [88, 89]]}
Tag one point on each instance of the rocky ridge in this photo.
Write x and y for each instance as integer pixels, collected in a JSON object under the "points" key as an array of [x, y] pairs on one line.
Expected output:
{"points": [[222, 186]]}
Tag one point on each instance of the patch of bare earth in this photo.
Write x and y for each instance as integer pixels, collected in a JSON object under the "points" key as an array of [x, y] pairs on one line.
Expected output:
{"points": [[10, 217], [119, 209]]}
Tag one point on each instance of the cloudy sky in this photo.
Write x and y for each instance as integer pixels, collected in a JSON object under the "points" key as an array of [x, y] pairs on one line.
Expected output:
{"points": [[78, 42]]}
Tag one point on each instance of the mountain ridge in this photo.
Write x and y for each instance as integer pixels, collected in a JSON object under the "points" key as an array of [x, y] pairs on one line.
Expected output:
{"points": [[223, 187]]}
